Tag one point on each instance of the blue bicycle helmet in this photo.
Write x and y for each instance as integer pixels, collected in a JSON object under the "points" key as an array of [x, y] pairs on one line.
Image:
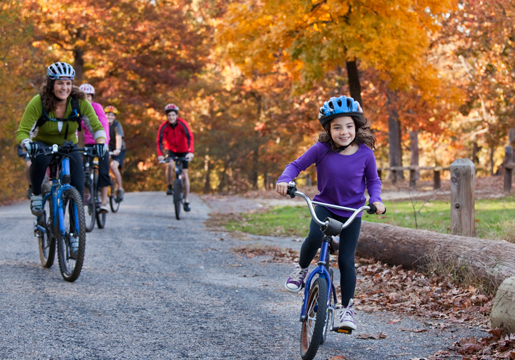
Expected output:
{"points": [[60, 71], [339, 106]]}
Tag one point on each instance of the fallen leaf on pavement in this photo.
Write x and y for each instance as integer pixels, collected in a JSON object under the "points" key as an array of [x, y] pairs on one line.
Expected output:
{"points": [[381, 335]]}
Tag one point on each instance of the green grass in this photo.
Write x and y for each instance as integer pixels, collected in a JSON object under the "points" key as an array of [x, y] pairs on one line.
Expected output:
{"points": [[495, 218]]}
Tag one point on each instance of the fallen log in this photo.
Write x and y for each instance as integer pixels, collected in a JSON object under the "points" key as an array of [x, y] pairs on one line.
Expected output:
{"points": [[491, 260]]}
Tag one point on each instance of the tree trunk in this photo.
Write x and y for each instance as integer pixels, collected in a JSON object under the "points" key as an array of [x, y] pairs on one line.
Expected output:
{"points": [[78, 64], [475, 150], [394, 135], [354, 83], [207, 169], [413, 249]]}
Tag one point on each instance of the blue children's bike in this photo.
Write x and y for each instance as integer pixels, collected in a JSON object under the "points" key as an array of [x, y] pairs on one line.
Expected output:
{"points": [[319, 305], [62, 221]]}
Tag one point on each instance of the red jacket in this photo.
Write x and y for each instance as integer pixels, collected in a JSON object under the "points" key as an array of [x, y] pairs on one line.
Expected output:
{"points": [[177, 138]]}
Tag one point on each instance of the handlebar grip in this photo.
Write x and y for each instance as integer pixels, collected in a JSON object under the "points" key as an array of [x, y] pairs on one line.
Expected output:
{"points": [[372, 209], [292, 188]]}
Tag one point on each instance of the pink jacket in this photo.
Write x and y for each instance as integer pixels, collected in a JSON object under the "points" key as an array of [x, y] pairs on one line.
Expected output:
{"points": [[88, 138]]}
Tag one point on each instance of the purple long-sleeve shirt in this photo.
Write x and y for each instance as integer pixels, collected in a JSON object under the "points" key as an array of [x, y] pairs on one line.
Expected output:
{"points": [[341, 179]]}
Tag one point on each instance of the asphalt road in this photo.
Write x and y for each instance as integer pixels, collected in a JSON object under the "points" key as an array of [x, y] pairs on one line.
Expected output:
{"points": [[156, 288]]}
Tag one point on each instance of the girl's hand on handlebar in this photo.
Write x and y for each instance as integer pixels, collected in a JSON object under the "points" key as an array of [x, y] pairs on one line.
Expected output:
{"points": [[380, 207], [282, 188], [160, 158]]}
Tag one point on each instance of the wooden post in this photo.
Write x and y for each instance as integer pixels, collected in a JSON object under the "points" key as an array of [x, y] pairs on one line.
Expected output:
{"points": [[463, 185], [508, 170], [437, 184], [394, 176]]}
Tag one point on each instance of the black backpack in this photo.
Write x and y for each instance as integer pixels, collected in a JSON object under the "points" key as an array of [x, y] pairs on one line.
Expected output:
{"points": [[75, 116]]}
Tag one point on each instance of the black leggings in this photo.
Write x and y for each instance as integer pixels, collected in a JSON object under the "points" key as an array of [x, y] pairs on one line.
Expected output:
{"points": [[348, 242], [40, 164]]}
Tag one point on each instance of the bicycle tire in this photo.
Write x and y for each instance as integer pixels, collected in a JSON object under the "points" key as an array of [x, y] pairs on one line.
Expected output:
{"points": [[100, 215], [46, 241], [177, 198], [115, 205], [89, 206], [72, 210], [313, 325]]}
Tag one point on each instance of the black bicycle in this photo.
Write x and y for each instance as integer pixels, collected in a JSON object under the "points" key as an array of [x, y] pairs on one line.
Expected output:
{"points": [[178, 191], [92, 195]]}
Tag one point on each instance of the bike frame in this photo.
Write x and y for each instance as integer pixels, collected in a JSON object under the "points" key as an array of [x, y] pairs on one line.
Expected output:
{"points": [[321, 269], [59, 185]]}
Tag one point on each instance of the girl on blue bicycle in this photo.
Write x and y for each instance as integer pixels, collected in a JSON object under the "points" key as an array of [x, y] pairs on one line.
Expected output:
{"points": [[346, 166]]}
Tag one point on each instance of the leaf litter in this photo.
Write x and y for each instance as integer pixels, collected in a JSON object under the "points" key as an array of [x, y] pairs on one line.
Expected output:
{"points": [[392, 288]]}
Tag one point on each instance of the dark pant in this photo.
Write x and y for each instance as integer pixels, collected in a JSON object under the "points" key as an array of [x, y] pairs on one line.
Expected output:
{"points": [[348, 242], [103, 169], [40, 164]]}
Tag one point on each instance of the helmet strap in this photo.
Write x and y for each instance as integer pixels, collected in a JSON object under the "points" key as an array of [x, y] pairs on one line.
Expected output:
{"points": [[342, 148]]}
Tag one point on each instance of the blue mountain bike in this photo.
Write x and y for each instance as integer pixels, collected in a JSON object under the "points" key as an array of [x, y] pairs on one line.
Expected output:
{"points": [[62, 221], [319, 305]]}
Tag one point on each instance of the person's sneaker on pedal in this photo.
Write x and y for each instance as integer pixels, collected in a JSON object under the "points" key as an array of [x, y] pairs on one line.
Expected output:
{"points": [[36, 205], [345, 318], [296, 279], [103, 208], [186, 206], [119, 194], [169, 191]]}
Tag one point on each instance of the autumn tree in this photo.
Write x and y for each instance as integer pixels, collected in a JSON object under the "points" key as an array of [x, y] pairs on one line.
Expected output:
{"points": [[480, 35], [310, 39]]}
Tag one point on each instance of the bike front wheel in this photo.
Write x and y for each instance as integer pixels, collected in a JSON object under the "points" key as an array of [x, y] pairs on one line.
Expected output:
{"points": [[314, 324], [177, 198], [71, 239], [46, 241]]}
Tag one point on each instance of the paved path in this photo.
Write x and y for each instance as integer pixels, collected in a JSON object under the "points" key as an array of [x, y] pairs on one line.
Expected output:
{"points": [[156, 288]]}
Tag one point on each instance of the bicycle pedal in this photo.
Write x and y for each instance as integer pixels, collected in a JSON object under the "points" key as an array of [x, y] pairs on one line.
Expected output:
{"points": [[343, 331]]}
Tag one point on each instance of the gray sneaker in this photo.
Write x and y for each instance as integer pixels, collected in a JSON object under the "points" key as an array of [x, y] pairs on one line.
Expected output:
{"points": [[296, 279], [345, 318], [36, 205]]}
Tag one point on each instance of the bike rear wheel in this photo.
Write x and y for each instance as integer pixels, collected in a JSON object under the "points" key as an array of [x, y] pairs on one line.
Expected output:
{"points": [[46, 241], [71, 263], [101, 216], [177, 198], [115, 205], [313, 327], [89, 203]]}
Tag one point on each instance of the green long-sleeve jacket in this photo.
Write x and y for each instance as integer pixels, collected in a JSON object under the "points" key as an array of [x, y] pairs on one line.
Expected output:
{"points": [[52, 132]]}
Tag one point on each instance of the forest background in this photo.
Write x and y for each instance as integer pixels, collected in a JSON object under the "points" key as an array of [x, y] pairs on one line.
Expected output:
{"points": [[435, 78]]}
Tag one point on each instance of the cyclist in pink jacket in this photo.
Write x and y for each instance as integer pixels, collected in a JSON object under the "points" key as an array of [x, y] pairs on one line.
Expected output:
{"points": [[104, 180]]}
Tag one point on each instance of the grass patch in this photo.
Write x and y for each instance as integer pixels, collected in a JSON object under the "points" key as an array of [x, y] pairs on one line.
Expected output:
{"points": [[495, 219]]}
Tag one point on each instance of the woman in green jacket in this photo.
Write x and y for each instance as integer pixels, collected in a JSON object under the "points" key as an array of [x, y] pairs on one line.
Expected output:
{"points": [[53, 117]]}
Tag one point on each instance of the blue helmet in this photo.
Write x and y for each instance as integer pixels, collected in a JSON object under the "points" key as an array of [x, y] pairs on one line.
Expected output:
{"points": [[339, 106], [60, 70]]}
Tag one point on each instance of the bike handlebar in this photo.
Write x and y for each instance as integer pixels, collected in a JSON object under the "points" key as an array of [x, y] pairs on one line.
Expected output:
{"points": [[330, 227], [65, 149], [175, 158]]}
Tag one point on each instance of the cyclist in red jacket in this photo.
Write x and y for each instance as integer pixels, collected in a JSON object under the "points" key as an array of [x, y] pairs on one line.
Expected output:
{"points": [[174, 138]]}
